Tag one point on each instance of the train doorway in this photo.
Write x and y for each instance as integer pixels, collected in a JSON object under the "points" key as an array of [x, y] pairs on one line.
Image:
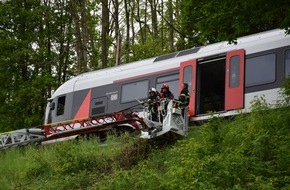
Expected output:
{"points": [[210, 87], [215, 84]]}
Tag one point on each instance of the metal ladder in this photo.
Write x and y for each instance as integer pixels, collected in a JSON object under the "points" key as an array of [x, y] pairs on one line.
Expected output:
{"points": [[93, 124], [70, 128], [21, 137], [172, 122]]}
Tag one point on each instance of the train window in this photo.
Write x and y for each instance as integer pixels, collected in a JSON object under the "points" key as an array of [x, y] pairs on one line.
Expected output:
{"points": [[167, 78], [60, 105], [187, 73], [171, 80], [287, 63], [135, 90], [234, 71], [260, 70]]}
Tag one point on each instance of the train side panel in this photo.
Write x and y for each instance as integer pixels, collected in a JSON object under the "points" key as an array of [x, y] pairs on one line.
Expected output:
{"points": [[266, 61]]}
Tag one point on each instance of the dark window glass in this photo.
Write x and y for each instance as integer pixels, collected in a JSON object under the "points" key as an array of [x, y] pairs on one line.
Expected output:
{"points": [[168, 78], [234, 71], [135, 90], [260, 70], [287, 63], [187, 76], [98, 110], [60, 105], [172, 81]]}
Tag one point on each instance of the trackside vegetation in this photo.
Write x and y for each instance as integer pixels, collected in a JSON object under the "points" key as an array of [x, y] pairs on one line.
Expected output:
{"points": [[248, 151]]}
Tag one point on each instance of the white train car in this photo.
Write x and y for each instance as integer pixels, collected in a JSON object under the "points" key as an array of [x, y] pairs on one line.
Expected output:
{"points": [[222, 78]]}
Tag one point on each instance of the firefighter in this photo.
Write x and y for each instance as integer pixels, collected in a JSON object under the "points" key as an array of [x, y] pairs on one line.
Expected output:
{"points": [[153, 103], [165, 92], [184, 98], [165, 96]]}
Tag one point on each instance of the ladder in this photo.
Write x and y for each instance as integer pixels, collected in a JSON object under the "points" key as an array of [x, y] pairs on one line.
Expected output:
{"points": [[174, 122], [70, 128], [21, 137], [93, 124]]}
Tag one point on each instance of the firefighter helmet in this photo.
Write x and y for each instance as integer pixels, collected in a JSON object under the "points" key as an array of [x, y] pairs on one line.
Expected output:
{"points": [[165, 85], [152, 90]]}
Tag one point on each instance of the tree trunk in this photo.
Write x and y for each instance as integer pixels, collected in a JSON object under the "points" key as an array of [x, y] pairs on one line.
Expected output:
{"points": [[127, 42], [117, 33], [171, 32], [84, 33], [105, 29], [80, 33], [162, 26], [132, 24], [140, 23], [145, 22], [153, 6]]}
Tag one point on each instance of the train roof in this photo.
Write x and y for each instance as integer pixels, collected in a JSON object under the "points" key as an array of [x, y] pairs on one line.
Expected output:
{"points": [[252, 43]]}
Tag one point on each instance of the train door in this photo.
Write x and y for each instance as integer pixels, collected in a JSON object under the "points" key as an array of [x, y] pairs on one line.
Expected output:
{"points": [[216, 84], [235, 79], [188, 75]]}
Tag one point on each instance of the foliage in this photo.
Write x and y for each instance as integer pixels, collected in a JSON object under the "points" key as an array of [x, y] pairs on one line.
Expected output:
{"points": [[38, 57], [245, 152], [213, 21], [68, 165], [286, 91], [149, 49], [248, 151]]}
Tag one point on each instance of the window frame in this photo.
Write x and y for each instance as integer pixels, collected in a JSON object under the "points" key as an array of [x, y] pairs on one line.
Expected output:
{"points": [[62, 102], [168, 81], [232, 84], [261, 83], [186, 77], [122, 101]]}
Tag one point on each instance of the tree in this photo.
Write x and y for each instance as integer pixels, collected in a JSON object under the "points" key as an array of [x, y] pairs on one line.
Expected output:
{"points": [[105, 31], [170, 19], [153, 7], [211, 21], [79, 15], [117, 32], [63, 38], [24, 94], [127, 21]]}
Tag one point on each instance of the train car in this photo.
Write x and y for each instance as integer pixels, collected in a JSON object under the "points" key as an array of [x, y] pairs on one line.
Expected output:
{"points": [[222, 78]]}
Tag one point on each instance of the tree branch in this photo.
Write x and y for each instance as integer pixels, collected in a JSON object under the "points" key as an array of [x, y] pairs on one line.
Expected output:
{"points": [[179, 32]]}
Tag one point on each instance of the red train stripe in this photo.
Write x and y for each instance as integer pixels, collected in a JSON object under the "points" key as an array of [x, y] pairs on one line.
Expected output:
{"points": [[84, 109]]}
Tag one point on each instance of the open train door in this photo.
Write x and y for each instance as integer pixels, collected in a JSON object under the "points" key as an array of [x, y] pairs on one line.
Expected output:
{"points": [[187, 74], [234, 85]]}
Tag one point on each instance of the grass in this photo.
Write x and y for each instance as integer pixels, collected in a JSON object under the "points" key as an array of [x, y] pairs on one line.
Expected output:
{"points": [[249, 151]]}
